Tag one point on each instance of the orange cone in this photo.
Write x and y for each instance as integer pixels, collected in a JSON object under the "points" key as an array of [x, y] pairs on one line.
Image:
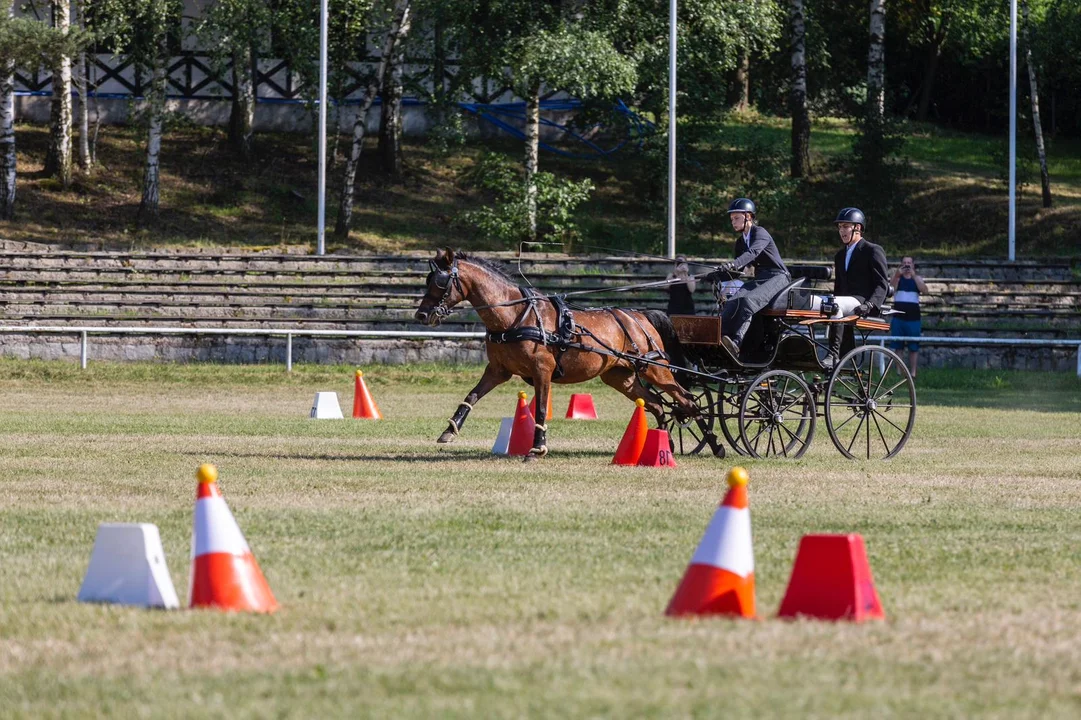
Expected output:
{"points": [[521, 434], [720, 578], [533, 408], [831, 580], [224, 573], [634, 437], [363, 405], [657, 450], [581, 407]]}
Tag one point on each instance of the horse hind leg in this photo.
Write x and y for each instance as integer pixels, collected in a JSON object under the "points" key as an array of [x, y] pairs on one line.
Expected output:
{"points": [[626, 382], [493, 377]]}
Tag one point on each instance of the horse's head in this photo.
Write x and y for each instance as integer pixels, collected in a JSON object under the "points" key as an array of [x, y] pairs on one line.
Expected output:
{"points": [[444, 289]]}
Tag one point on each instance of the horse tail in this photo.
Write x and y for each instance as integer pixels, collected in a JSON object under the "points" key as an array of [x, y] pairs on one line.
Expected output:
{"points": [[672, 346]]}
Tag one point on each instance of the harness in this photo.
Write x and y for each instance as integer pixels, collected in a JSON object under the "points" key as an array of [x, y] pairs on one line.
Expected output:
{"points": [[566, 329]]}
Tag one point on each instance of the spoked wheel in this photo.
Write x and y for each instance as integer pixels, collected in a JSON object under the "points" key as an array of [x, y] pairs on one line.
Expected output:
{"points": [[728, 397], [777, 416], [692, 436], [870, 404]]}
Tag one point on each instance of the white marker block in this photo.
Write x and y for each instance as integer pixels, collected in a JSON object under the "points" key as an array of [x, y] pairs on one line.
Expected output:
{"points": [[326, 407], [502, 440], [127, 567]]}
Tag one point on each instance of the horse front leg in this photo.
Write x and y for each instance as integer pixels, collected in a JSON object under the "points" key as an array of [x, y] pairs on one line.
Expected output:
{"points": [[542, 386], [492, 378]]}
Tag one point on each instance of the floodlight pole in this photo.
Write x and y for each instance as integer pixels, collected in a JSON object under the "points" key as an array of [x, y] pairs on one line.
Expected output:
{"points": [[1013, 131], [672, 128], [322, 225]]}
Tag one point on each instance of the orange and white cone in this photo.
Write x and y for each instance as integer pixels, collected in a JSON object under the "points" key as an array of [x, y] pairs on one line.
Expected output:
{"points": [[521, 433], [634, 437], [364, 406], [224, 573], [720, 577]]}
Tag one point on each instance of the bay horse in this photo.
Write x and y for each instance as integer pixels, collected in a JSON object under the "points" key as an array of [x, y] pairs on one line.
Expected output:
{"points": [[540, 340]]}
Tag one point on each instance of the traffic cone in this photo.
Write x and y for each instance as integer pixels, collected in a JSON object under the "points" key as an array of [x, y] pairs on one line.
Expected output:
{"points": [[502, 438], [657, 451], [533, 408], [581, 407], [224, 573], [831, 580], [634, 437], [521, 434], [363, 404], [720, 577]]}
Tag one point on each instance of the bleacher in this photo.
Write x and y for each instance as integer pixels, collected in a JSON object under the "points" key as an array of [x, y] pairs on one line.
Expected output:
{"points": [[979, 298]]}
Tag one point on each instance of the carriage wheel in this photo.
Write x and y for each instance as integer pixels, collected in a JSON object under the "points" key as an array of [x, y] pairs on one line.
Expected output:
{"points": [[728, 396], [777, 416], [691, 435], [870, 404]]}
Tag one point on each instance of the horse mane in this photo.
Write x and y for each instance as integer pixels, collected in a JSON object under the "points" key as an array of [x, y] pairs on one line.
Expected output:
{"points": [[489, 265]]}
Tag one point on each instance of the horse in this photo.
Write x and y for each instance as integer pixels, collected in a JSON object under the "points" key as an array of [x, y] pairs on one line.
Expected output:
{"points": [[542, 341]]}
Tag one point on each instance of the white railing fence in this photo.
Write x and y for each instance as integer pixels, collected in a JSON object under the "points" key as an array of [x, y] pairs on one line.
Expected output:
{"points": [[84, 333]]}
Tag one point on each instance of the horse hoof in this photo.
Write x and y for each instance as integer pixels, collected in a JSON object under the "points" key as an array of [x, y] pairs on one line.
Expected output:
{"points": [[529, 458], [447, 437]]}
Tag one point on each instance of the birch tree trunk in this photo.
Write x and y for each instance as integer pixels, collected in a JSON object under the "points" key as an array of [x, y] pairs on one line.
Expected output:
{"points": [[7, 129], [532, 156], [242, 113], [876, 60], [58, 154], [399, 28], [1045, 178], [801, 119], [148, 207], [743, 79], [390, 125], [83, 86], [81, 80]]}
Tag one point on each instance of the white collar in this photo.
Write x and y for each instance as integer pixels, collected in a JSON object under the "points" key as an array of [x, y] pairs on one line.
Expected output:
{"points": [[747, 235]]}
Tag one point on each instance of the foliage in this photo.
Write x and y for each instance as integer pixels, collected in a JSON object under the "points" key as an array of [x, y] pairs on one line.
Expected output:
{"points": [[506, 218], [29, 43]]}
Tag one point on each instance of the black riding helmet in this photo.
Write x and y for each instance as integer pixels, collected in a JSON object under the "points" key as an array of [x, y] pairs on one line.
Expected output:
{"points": [[743, 205], [851, 215]]}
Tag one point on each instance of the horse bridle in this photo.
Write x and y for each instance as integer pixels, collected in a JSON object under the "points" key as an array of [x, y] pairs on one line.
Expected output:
{"points": [[443, 279]]}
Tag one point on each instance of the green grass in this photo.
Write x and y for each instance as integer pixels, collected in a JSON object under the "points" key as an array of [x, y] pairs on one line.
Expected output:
{"points": [[417, 581]]}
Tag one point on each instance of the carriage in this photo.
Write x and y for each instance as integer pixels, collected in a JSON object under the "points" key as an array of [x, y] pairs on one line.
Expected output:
{"points": [[768, 401], [765, 403]]}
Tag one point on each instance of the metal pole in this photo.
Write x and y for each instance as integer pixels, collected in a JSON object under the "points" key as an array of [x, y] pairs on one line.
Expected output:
{"points": [[672, 128], [289, 352], [82, 352], [1013, 129], [322, 240]]}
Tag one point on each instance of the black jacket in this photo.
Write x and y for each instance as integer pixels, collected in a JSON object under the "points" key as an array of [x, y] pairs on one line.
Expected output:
{"points": [[866, 275], [762, 253]]}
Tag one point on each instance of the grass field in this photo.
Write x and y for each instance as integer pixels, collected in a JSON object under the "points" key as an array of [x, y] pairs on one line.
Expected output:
{"points": [[416, 581]]}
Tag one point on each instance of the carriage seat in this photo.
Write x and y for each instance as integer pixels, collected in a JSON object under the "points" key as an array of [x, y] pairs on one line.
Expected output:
{"points": [[794, 296]]}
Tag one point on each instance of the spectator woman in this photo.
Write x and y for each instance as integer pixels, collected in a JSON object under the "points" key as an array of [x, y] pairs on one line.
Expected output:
{"points": [[907, 286]]}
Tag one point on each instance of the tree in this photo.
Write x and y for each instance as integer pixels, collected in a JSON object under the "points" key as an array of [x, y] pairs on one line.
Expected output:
{"points": [[143, 29], [876, 60], [58, 159], [239, 31], [401, 18], [554, 44], [390, 120], [801, 120], [1034, 95], [28, 43]]}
